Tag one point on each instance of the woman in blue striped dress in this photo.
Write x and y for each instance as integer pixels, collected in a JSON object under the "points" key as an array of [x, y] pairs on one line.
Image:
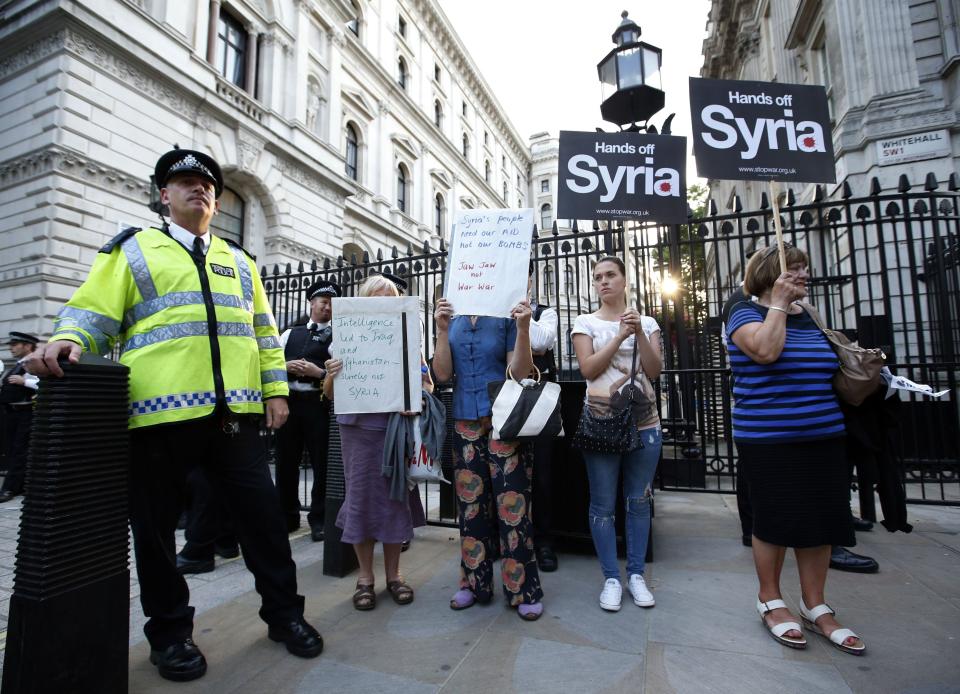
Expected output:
{"points": [[789, 432]]}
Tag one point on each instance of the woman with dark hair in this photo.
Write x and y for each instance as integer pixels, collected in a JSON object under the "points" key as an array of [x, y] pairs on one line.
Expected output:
{"points": [[604, 343], [789, 433], [492, 476]]}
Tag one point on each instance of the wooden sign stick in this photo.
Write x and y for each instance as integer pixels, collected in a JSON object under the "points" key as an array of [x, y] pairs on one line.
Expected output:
{"points": [[775, 200]]}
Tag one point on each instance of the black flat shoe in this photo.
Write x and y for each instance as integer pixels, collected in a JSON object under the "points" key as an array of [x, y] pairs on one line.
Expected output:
{"points": [[861, 525], [299, 637], [227, 551], [316, 534], [194, 566], [180, 662], [547, 559], [6, 496], [405, 545], [842, 559]]}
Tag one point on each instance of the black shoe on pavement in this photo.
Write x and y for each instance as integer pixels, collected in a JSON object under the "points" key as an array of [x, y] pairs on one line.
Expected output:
{"points": [[405, 545], [547, 559], [180, 662], [842, 559], [316, 534], [299, 637], [194, 566], [7, 495], [861, 525], [227, 551]]}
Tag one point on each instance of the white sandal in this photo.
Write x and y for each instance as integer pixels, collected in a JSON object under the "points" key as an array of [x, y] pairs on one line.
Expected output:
{"points": [[837, 636], [777, 631]]}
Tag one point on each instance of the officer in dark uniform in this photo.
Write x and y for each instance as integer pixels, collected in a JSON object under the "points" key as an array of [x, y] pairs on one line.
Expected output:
{"points": [[149, 288], [17, 391], [306, 348]]}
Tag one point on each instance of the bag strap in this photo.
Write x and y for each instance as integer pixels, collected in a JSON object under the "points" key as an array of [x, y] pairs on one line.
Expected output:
{"points": [[814, 314], [633, 361]]}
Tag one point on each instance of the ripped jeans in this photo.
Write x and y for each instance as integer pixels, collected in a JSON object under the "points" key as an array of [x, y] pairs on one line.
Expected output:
{"points": [[603, 470]]}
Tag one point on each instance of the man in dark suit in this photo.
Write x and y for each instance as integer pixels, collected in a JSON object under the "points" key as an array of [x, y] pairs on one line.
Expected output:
{"points": [[17, 391]]}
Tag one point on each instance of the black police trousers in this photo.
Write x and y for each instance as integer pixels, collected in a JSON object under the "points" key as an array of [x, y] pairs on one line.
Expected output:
{"points": [[236, 466], [16, 437], [307, 426]]}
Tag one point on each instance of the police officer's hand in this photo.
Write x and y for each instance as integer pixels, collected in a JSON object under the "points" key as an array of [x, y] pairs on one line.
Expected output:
{"points": [[43, 360], [333, 367], [15, 380], [276, 411], [311, 370]]}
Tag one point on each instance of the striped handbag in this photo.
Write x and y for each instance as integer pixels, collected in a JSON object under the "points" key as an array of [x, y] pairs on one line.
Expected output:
{"points": [[525, 410]]}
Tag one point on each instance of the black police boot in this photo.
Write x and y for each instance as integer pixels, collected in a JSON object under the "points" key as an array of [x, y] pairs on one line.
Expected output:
{"points": [[6, 495], [299, 637], [861, 525], [180, 662], [316, 533], [547, 559], [842, 559], [186, 565], [227, 551]]}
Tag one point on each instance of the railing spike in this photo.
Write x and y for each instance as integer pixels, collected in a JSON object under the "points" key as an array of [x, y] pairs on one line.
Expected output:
{"points": [[263, 271], [353, 259], [379, 254], [554, 230], [847, 191], [409, 249], [326, 263], [426, 246], [313, 265], [394, 252], [903, 185], [366, 258], [443, 245], [875, 186], [711, 207], [596, 225], [764, 200], [953, 183], [289, 269], [576, 227], [791, 198], [737, 205], [340, 261], [818, 193], [300, 266], [931, 182]]}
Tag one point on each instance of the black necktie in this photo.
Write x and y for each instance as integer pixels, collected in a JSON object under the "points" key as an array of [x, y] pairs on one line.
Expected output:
{"points": [[198, 246]]}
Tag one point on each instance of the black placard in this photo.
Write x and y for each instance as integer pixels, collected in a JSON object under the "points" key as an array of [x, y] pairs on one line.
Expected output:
{"points": [[760, 131], [622, 176]]}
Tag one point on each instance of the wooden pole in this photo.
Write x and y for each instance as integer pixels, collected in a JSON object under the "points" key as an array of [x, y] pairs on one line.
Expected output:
{"points": [[775, 201]]}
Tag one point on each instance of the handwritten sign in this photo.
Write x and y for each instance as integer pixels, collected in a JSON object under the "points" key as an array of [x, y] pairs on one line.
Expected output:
{"points": [[378, 339], [488, 261]]}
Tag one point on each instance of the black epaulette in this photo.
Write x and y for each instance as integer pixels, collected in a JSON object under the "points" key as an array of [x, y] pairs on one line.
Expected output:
{"points": [[118, 239], [237, 245]]}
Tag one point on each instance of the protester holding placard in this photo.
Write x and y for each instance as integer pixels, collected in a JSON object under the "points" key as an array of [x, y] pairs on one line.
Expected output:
{"points": [[490, 474], [605, 342], [369, 514], [789, 432]]}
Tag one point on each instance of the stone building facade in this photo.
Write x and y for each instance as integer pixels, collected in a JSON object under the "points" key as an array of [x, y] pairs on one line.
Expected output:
{"points": [[342, 126]]}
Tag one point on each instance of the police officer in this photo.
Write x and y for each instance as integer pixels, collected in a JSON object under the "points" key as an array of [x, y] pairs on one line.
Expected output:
{"points": [[306, 348], [205, 367], [17, 391]]}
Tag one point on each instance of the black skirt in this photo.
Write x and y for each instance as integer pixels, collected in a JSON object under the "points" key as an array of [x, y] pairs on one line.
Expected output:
{"points": [[799, 492]]}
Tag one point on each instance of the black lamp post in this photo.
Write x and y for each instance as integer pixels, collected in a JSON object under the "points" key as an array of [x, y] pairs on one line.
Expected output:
{"points": [[630, 79], [155, 205]]}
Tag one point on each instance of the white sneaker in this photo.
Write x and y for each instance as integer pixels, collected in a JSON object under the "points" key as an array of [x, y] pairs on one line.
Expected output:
{"points": [[611, 595], [642, 596]]}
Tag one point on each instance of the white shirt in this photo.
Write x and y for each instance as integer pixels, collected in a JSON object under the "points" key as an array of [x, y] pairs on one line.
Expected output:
{"points": [[186, 237], [543, 332]]}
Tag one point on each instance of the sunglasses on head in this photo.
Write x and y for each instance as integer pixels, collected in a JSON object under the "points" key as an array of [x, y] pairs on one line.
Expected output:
{"points": [[770, 250]]}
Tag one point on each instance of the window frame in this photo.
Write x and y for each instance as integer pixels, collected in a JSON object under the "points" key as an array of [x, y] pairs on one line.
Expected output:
{"points": [[351, 129], [226, 21]]}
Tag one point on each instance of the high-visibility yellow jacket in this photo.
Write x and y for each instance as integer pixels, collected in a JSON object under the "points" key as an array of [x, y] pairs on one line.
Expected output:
{"points": [[191, 338]]}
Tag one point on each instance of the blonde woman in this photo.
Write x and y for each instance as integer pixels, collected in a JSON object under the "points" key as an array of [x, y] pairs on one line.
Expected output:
{"points": [[604, 343], [368, 514]]}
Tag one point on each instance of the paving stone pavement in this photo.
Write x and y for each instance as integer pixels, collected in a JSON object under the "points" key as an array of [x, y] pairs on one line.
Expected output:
{"points": [[703, 635]]}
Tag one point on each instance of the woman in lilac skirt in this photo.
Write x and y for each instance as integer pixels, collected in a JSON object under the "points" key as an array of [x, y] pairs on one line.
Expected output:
{"points": [[368, 514]]}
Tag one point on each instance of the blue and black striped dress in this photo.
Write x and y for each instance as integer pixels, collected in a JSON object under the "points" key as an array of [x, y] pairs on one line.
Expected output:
{"points": [[790, 436]]}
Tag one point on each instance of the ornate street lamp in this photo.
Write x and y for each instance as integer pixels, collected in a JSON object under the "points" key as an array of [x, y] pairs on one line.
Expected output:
{"points": [[630, 78]]}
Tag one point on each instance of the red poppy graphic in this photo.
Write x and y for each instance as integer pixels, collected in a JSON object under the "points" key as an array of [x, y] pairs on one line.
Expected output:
{"points": [[502, 448], [809, 141], [665, 186]]}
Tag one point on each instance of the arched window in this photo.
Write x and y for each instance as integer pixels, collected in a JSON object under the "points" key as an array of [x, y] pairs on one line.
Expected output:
{"points": [[546, 216], [486, 170], [548, 287], [437, 114], [466, 145], [402, 73], [229, 223], [351, 154], [504, 192], [568, 285], [438, 215], [402, 191]]}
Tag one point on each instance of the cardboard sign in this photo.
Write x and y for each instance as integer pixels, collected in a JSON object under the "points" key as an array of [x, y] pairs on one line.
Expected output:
{"points": [[759, 131], [378, 339], [622, 176], [488, 261]]}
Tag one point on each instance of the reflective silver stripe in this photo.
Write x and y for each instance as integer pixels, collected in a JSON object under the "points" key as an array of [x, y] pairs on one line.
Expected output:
{"points": [[246, 281], [268, 342], [87, 319], [190, 329], [139, 269], [102, 347], [148, 308], [273, 376], [262, 320]]}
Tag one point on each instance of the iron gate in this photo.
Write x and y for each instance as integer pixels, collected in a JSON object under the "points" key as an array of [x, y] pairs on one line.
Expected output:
{"points": [[885, 269]]}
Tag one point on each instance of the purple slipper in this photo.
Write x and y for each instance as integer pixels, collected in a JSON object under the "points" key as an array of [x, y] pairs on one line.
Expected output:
{"points": [[530, 612], [462, 599]]}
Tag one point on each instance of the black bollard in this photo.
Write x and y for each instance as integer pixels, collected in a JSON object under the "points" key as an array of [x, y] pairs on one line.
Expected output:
{"points": [[70, 609]]}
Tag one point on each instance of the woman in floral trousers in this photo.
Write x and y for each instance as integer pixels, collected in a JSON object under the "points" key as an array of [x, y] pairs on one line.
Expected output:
{"points": [[493, 478]]}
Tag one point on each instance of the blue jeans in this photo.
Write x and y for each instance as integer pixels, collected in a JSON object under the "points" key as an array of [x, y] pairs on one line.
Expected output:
{"points": [[603, 471]]}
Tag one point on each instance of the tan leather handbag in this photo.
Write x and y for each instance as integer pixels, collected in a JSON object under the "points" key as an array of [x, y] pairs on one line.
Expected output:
{"points": [[859, 374]]}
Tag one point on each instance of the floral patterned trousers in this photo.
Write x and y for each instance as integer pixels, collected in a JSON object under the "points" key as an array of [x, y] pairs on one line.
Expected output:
{"points": [[493, 497]]}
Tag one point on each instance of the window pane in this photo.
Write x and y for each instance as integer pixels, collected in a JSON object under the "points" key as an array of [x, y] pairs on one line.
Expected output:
{"points": [[351, 154]]}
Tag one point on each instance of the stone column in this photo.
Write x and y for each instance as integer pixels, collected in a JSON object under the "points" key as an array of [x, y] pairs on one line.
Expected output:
{"points": [[253, 31], [888, 42], [335, 122], [297, 83], [212, 31]]}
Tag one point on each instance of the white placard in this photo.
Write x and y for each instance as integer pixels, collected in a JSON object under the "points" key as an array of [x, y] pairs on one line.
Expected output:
{"points": [[904, 148], [368, 335], [488, 261]]}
